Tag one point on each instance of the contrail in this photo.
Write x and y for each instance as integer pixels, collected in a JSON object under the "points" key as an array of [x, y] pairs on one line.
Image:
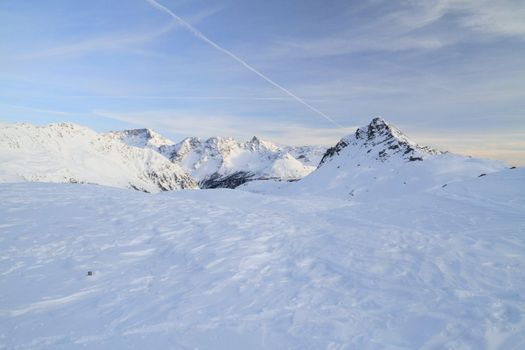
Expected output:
{"points": [[208, 41]]}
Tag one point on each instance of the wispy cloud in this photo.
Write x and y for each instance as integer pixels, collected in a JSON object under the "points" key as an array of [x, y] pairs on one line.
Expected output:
{"points": [[199, 35], [499, 18], [100, 43], [111, 42], [183, 98], [39, 110], [414, 25], [508, 146], [190, 123]]}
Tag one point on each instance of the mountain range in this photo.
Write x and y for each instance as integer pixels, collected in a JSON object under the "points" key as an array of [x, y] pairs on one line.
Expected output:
{"points": [[376, 159], [379, 161], [227, 162], [385, 244], [71, 153]]}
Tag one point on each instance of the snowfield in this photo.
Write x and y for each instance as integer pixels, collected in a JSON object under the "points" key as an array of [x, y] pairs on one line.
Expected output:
{"points": [[229, 269], [66, 152]]}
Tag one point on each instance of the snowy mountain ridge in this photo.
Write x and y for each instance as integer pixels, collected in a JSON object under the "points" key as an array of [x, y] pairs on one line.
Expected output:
{"points": [[66, 152], [379, 161], [144, 138], [141, 138], [145, 160], [377, 158], [381, 142], [226, 162]]}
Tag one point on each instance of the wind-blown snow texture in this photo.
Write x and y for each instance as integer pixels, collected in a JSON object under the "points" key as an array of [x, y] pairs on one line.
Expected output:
{"points": [[386, 245], [227, 269], [71, 153]]}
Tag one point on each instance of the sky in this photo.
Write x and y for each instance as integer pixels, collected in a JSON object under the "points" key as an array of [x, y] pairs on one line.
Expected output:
{"points": [[449, 73]]}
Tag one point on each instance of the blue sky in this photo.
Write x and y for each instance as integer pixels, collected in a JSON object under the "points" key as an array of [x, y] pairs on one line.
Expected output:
{"points": [[450, 74]]}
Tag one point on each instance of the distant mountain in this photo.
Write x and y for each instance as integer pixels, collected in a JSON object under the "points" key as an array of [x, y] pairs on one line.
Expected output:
{"points": [[378, 160], [144, 138], [226, 162], [379, 141], [308, 155], [71, 153], [143, 159]]}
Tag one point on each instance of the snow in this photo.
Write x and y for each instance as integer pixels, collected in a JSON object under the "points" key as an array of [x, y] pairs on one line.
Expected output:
{"points": [[218, 157], [229, 269], [143, 138], [386, 245], [71, 153], [380, 161], [143, 159]]}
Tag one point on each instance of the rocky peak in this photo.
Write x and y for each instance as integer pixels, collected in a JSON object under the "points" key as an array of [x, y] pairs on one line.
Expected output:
{"points": [[380, 141]]}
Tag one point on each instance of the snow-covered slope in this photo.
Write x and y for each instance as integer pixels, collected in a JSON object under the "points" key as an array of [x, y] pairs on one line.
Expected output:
{"points": [[72, 153], [380, 161], [226, 162], [144, 138], [236, 270], [308, 155]]}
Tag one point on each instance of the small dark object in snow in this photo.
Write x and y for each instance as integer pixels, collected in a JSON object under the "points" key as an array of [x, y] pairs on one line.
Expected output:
{"points": [[513, 167], [90, 273], [445, 185], [413, 159], [482, 175], [404, 183]]}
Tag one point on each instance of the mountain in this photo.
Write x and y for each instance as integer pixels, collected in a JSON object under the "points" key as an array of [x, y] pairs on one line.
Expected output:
{"points": [[226, 162], [308, 155], [379, 161], [144, 138], [71, 153], [378, 141]]}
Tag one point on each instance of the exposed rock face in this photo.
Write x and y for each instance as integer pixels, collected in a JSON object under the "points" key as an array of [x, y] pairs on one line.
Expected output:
{"points": [[379, 161], [380, 141]]}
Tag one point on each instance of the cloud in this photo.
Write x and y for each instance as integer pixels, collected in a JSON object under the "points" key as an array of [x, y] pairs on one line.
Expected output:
{"points": [[39, 110], [498, 18], [111, 42], [190, 123], [505, 145], [101, 43], [412, 25], [182, 97], [199, 35]]}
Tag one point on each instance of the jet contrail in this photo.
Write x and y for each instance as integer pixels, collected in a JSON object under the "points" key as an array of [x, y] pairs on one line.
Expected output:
{"points": [[204, 38]]}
